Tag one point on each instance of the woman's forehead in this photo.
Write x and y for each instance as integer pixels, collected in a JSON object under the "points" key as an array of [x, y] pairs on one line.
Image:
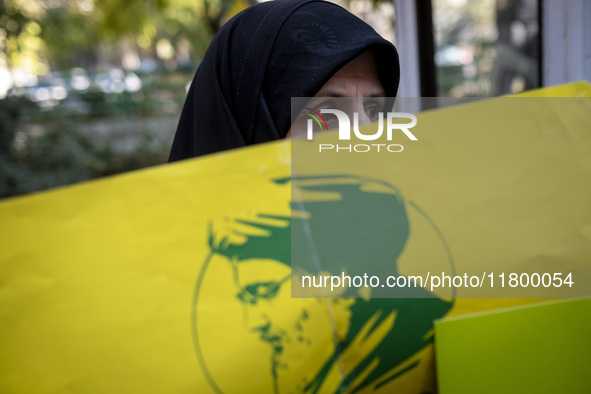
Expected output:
{"points": [[358, 78]]}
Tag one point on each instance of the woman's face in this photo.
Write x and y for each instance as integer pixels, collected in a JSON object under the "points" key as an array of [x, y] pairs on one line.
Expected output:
{"points": [[359, 78]]}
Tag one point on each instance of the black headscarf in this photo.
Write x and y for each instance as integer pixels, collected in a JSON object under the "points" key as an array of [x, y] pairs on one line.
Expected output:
{"points": [[260, 59]]}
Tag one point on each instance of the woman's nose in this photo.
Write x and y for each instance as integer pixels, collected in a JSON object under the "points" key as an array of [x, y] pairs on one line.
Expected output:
{"points": [[359, 109], [363, 118]]}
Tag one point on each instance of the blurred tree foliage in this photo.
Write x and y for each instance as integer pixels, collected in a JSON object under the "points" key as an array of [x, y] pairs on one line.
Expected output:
{"points": [[38, 34], [56, 34], [462, 21], [62, 154], [46, 145]]}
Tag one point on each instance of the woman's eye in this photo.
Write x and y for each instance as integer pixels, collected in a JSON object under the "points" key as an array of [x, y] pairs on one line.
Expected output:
{"points": [[327, 104], [372, 112], [331, 121]]}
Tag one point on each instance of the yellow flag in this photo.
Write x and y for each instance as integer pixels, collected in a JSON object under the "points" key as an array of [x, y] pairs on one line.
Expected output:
{"points": [[177, 278]]}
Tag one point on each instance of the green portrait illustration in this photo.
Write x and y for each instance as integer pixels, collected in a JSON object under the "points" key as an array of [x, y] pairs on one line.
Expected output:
{"points": [[255, 330]]}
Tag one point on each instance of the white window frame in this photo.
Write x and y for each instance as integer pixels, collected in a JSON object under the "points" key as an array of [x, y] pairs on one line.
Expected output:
{"points": [[566, 41], [407, 43]]}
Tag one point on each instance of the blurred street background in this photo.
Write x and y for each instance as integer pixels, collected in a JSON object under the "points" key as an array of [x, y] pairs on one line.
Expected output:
{"points": [[93, 88]]}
